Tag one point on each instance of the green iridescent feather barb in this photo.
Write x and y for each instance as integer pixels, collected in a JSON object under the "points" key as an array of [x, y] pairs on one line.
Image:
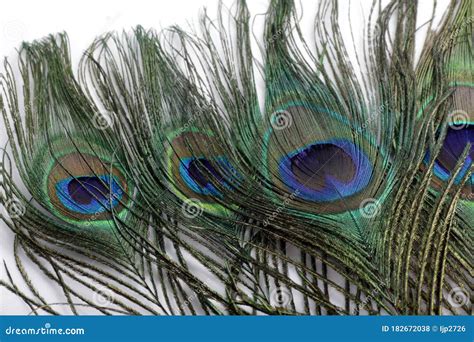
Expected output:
{"points": [[155, 181]]}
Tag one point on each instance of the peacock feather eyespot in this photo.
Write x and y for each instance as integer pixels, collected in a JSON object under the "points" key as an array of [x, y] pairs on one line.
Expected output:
{"points": [[84, 187], [198, 169], [458, 136], [332, 209], [201, 174], [81, 183], [326, 170], [459, 133], [89, 194], [329, 164]]}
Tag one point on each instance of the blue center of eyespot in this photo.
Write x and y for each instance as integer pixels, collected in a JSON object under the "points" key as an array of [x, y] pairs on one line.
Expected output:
{"points": [[201, 175], [456, 140], [326, 170], [89, 194]]}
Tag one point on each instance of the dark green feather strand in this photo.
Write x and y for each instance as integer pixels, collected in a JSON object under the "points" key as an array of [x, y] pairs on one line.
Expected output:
{"points": [[329, 190]]}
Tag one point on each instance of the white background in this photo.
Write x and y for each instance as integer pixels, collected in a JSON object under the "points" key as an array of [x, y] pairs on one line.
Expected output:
{"points": [[84, 20]]}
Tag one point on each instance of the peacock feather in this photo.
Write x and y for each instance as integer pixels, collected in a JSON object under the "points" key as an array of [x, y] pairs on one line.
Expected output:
{"points": [[156, 181]]}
